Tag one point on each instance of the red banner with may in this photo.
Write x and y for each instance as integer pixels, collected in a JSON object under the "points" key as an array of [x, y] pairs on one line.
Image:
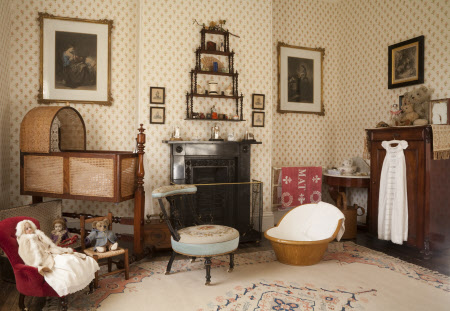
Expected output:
{"points": [[300, 185]]}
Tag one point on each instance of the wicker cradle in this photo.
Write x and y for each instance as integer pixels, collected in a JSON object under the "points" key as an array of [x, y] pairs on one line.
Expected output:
{"points": [[54, 161]]}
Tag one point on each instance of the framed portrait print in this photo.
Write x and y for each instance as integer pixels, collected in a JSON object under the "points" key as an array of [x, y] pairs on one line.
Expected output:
{"points": [[300, 79], [258, 101], [439, 111], [157, 95], [75, 60], [258, 119], [157, 115], [405, 63]]}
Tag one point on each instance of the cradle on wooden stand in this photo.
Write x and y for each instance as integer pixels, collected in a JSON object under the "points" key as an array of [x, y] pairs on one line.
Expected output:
{"points": [[54, 163]]}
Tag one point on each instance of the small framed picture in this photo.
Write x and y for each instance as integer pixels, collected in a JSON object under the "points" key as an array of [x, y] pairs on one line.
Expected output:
{"points": [[258, 101], [258, 119], [157, 115], [439, 111], [157, 95], [406, 63]]}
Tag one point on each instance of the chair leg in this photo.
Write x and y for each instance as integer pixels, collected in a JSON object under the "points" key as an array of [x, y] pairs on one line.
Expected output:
{"points": [[96, 274], [169, 264], [22, 302], [208, 270], [91, 288], [231, 262], [63, 302], [109, 264], [127, 268]]}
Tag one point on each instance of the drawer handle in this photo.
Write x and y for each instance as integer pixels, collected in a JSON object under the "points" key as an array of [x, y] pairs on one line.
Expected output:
{"points": [[396, 135]]}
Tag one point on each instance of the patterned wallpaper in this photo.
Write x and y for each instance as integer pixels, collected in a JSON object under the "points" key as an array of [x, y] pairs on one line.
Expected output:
{"points": [[153, 44], [356, 35], [5, 10], [108, 128], [168, 42]]}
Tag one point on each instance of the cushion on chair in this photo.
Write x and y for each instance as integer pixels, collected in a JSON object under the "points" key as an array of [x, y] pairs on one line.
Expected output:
{"points": [[90, 252], [206, 240]]}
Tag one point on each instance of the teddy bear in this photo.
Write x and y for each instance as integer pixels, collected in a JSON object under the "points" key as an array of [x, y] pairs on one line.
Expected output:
{"points": [[103, 238], [419, 98], [408, 115]]}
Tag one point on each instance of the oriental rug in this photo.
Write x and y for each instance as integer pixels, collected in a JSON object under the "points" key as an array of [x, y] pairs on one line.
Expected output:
{"points": [[350, 277]]}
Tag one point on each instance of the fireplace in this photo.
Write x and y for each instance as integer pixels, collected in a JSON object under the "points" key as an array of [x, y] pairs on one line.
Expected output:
{"points": [[217, 167]]}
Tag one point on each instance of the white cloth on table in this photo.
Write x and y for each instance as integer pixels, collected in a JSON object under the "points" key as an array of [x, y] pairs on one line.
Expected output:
{"points": [[393, 199]]}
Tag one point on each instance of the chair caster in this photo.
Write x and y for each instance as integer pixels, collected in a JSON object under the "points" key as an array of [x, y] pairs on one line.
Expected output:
{"points": [[208, 283], [230, 270]]}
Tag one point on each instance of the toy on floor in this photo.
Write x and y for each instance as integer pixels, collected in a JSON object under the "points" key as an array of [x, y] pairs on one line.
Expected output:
{"points": [[104, 239]]}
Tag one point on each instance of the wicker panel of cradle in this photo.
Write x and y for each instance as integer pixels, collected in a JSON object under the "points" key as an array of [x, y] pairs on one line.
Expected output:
{"points": [[92, 177], [43, 174], [128, 173]]}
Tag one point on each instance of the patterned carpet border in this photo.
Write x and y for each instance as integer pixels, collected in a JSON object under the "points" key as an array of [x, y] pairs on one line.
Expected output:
{"points": [[343, 252]]}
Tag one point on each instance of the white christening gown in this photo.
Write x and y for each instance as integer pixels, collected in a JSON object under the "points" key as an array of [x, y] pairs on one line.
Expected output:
{"points": [[393, 200]]}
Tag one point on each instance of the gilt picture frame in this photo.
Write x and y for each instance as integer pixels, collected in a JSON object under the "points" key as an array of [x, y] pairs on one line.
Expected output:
{"points": [[300, 79], [406, 63], [75, 60]]}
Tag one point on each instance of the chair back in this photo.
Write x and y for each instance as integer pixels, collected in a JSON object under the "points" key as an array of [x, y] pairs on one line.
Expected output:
{"points": [[182, 212], [8, 239], [84, 221]]}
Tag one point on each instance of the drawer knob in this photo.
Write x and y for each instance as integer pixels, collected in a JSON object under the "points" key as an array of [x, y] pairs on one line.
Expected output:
{"points": [[396, 135]]}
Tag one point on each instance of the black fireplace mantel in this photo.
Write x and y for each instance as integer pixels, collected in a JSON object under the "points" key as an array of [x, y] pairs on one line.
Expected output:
{"points": [[217, 162]]}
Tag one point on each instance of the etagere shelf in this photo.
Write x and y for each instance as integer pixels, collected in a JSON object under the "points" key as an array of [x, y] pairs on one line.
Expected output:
{"points": [[193, 93]]}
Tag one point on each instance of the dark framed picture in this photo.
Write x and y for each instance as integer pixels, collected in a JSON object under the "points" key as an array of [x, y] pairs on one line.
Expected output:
{"points": [[258, 101], [157, 95], [75, 60], [300, 79], [439, 111], [258, 119], [157, 115], [406, 63]]}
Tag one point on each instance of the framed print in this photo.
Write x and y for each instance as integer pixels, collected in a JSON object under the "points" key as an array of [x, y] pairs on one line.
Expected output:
{"points": [[405, 63], [75, 60], [439, 111], [157, 95], [157, 115], [258, 119], [300, 79], [258, 101]]}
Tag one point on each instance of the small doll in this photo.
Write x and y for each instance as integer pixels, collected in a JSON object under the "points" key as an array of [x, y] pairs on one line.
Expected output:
{"points": [[60, 235]]}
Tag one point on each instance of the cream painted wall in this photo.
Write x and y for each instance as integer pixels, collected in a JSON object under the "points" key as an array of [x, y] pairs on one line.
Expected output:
{"points": [[5, 10]]}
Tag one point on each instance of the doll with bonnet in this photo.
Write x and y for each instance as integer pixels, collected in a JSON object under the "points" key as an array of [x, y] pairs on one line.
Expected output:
{"points": [[63, 269]]}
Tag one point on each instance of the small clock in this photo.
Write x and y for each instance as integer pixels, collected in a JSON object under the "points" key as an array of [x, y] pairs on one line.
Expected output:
{"points": [[439, 111]]}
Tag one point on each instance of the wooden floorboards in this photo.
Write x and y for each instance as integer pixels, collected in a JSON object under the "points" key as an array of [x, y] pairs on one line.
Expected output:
{"points": [[440, 261]]}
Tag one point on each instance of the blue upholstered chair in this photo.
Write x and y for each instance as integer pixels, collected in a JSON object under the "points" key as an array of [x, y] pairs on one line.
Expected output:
{"points": [[198, 240]]}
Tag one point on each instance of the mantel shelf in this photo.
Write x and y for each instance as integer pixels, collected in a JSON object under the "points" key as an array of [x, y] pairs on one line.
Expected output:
{"points": [[215, 73], [215, 96], [216, 52], [214, 32], [250, 142], [214, 120]]}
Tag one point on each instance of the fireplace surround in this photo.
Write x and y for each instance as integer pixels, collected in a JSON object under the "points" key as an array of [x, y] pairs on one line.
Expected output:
{"points": [[219, 166]]}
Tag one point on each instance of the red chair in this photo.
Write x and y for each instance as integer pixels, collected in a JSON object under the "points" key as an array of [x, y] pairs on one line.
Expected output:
{"points": [[28, 280]]}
